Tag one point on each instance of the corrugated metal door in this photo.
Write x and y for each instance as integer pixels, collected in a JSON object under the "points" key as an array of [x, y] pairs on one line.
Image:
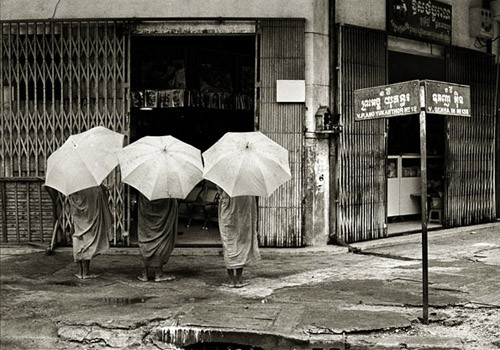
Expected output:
{"points": [[280, 55], [470, 142], [56, 79], [362, 184]]}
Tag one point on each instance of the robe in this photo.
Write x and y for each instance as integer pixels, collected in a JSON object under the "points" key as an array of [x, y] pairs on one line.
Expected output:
{"points": [[238, 230], [92, 221], [157, 229]]}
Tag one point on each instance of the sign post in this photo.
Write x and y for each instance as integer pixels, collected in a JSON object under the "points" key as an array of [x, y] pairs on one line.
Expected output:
{"points": [[411, 98], [423, 206]]}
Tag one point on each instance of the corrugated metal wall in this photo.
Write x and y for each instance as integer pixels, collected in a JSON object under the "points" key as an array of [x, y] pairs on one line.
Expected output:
{"points": [[497, 146], [280, 47], [56, 79], [470, 144], [362, 184]]}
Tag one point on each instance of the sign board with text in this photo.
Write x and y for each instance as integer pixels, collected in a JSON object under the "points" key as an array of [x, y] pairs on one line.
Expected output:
{"points": [[447, 99], [399, 99], [387, 100], [420, 19]]}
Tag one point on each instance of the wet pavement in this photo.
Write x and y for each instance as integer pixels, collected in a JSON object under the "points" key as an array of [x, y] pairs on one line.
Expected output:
{"points": [[306, 298]]}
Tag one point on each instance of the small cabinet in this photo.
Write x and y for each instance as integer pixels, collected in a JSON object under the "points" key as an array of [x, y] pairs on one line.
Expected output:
{"points": [[403, 185]]}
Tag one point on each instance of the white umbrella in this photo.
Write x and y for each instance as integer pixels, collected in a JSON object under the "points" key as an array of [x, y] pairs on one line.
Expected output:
{"points": [[247, 163], [161, 167], [84, 160]]}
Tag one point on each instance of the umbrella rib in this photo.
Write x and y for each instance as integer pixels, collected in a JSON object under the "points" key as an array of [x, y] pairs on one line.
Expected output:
{"points": [[90, 167], [135, 166], [157, 178], [260, 166], [240, 165]]}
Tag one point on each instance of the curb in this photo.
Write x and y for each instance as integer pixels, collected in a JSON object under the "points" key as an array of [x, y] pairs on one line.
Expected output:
{"points": [[416, 237], [405, 342], [190, 335]]}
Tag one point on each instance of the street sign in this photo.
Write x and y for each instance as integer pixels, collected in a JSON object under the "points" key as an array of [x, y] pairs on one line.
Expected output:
{"points": [[387, 101], [447, 99], [399, 99], [415, 97]]}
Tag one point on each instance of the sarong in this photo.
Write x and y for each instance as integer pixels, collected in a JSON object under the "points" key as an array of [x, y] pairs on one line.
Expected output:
{"points": [[92, 222], [157, 229], [238, 230]]}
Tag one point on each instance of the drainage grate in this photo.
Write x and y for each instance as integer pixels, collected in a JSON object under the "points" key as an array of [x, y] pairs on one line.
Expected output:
{"points": [[117, 301]]}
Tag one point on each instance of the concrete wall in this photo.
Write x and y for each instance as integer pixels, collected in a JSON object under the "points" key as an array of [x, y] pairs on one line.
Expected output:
{"points": [[315, 12]]}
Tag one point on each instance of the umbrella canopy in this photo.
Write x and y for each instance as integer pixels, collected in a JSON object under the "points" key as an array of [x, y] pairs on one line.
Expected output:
{"points": [[161, 167], [84, 160], [247, 163]]}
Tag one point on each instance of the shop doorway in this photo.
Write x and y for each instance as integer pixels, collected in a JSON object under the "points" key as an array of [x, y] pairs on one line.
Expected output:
{"points": [[403, 149], [195, 89]]}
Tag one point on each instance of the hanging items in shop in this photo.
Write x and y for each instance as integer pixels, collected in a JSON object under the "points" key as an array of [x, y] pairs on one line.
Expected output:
{"points": [[173, 98]]}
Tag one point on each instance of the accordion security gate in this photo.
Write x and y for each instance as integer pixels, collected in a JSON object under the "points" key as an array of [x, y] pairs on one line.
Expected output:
{"points": [[56, 79], [362, 184], [281, 55], [470, 146]]}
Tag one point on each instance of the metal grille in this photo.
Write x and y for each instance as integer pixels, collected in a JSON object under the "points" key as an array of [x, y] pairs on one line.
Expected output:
{"points": [[362, 183], [470, 142], [281, 55], [58, 79]]}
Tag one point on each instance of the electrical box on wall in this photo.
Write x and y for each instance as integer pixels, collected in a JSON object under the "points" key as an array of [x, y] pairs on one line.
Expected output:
{"points": [[480, 23]]}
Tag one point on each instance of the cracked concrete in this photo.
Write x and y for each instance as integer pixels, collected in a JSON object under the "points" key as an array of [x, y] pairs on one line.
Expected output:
{"points": [[296, 298]]}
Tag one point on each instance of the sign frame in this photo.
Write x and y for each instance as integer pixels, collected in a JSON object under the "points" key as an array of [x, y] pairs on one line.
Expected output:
{"points": [[452, 98], [401, 98]]}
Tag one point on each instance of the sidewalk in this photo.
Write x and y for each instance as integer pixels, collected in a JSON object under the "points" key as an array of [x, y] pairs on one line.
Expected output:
{"points": [[307, 298]]}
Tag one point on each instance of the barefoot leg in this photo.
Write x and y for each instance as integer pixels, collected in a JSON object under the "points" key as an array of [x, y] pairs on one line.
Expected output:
{"points": [[238, 278], [159, 277], [79, 270], [231, 278], [86, 270], [144, 274]]}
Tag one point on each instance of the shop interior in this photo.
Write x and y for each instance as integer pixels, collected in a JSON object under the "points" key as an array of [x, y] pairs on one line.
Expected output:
{"points": [[195, 89], [403, 145]]}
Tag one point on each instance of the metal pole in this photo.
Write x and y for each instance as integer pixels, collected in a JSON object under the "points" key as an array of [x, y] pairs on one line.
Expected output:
{"points": [[423, 198]]}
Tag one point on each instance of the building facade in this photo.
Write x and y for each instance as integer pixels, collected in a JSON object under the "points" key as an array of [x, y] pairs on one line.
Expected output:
{"points": [[68, 66]]}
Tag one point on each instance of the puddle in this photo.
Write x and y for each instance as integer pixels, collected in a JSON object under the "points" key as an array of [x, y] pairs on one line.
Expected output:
{"points": [[123, 301], [221, 346], [66, 283]]}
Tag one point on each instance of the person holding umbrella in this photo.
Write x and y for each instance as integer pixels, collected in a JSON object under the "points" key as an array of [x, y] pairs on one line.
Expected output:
{"points": [[243, 165], [77, 170], [93, 227], [162, 169], [238, 231], [157, 230]]}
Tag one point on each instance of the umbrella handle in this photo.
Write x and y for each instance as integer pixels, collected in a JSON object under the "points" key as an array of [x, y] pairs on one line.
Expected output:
{"points": [[54, 233]]}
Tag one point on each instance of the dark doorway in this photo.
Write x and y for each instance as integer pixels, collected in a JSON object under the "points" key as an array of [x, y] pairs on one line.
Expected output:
{"points": [[404, 148], [195, 89]]}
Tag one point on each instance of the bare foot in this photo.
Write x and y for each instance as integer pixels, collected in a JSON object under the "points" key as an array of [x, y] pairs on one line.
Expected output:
{"points": [[90, 275], [241, 284], [78, 276], [164, 278], [142, 278]]}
